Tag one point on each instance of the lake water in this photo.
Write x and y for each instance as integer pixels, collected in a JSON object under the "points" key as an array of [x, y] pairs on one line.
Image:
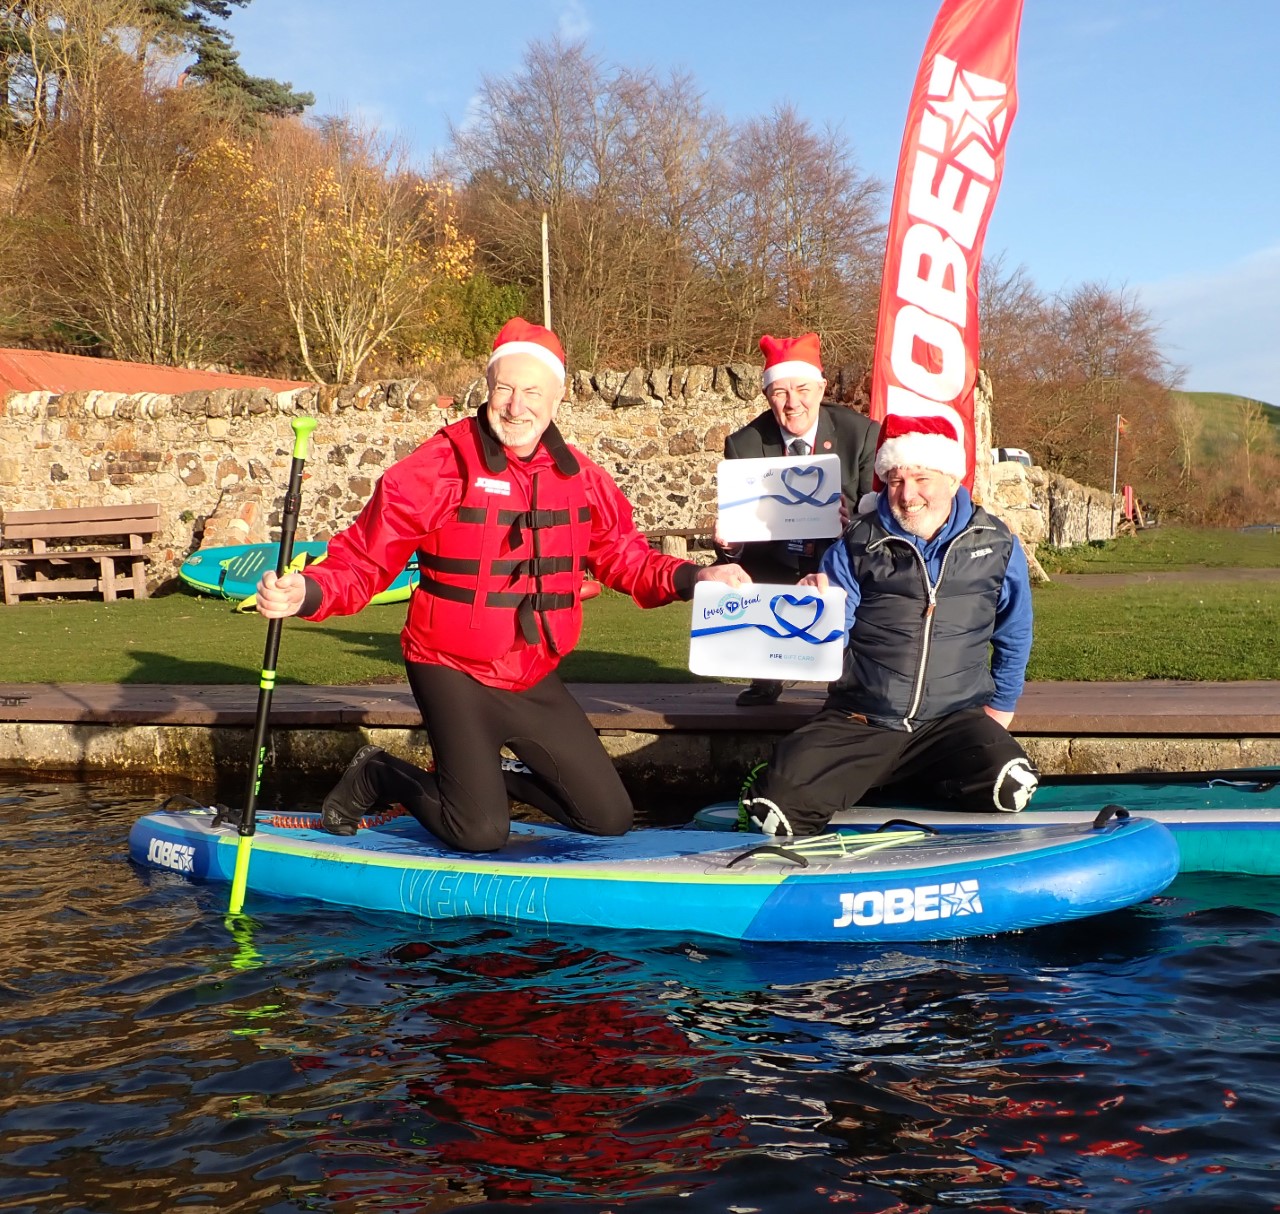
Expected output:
{"points": [[154, 1058]]}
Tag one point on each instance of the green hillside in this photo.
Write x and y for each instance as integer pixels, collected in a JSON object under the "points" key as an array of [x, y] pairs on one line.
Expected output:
{"points": [[1219, 440]]}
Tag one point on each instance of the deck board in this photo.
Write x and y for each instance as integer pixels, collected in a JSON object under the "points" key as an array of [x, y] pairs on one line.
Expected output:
{"points": [[1152, 708]]}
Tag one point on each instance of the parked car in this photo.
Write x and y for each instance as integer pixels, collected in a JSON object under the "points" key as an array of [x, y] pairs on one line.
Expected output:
{"points": [[1014, 455]]}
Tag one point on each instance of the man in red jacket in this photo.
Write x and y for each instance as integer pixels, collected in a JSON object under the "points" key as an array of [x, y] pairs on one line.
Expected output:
{"points": [[506, 519]]}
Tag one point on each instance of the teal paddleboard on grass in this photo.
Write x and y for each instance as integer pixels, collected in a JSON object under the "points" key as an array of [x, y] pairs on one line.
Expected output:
{"points": [[232, 572]]}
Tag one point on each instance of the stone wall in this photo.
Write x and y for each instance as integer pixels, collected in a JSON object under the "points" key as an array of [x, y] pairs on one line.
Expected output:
{"points": [[217, 461], [665, 772], [1043, 507]]}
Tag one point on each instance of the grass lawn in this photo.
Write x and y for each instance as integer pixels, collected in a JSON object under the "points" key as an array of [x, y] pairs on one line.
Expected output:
{"points": [[1206, 631], [1158, 548], [1212, 632], [188, 638]]}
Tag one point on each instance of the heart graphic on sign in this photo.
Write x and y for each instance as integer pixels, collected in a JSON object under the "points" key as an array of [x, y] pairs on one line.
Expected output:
{"points": [[789, 609], [797, 480]]}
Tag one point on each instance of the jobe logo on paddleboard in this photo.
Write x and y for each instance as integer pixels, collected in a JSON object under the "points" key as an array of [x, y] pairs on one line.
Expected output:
{"points": [[910, 904], [178, 856]]}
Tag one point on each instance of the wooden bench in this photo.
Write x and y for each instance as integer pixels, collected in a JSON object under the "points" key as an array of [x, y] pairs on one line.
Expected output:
{"points": [[674, 541], [62, 546]]}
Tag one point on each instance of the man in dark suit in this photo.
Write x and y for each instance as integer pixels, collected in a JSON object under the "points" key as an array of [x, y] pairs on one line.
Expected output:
{"points": [[797, 423]]}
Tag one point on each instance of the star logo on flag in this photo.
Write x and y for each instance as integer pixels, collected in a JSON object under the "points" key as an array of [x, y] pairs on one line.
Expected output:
{"points": [[959, 898], [973, 110]]}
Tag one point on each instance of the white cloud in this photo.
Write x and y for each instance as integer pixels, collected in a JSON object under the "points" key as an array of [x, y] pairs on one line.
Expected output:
{"points": [[574, 24], [1222, 325], [472, 112]]}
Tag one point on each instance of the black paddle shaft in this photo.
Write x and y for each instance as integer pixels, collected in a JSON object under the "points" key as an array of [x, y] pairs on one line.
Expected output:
{"points": [[302, 427]]}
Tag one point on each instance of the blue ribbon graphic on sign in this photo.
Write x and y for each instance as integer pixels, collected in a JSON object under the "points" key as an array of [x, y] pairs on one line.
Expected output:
{"points": [[795, 494], [786, 629]]}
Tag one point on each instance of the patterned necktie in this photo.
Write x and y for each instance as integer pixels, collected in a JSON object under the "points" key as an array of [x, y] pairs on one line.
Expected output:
{"points": [[799, 447]]}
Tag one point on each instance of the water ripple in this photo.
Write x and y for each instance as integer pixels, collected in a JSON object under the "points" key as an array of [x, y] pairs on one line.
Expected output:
{"points": [[157, 1057]]}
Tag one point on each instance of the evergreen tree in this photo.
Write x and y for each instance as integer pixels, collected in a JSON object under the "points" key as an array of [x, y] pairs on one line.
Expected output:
{"points": [[217, 65]]}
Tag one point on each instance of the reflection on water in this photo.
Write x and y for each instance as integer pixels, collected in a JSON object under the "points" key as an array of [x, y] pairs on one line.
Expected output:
{"points": [[157, 1057]]}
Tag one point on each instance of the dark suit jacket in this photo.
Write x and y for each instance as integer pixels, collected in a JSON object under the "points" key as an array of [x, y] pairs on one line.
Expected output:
{"points": [[841, 431]]}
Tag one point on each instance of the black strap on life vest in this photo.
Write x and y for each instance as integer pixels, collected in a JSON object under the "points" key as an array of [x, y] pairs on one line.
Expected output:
{"points": [[537, 601], [520, 521], [536, 566], [512, 569], [535, 520], [434, 563], [478, 514], [527, 609]]}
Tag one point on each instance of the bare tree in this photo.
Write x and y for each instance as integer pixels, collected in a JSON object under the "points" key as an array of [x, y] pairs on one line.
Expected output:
{"points": [[1188, 424], [1068, 366], [546, 140], [1012, 320], [127, 223], [799, 232], [54, 56], [672, 184], [672, 234], [1255, 431]]}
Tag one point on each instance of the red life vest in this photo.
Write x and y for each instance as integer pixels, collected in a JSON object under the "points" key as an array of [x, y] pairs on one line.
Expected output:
{"points": [[511, 562]]}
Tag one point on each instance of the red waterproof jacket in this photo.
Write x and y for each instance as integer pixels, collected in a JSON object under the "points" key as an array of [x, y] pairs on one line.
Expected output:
{"points": [[503, 546]]}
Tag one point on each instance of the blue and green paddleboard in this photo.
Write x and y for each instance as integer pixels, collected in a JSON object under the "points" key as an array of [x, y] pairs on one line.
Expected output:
{"points": [[232, 572], [854, 886]]}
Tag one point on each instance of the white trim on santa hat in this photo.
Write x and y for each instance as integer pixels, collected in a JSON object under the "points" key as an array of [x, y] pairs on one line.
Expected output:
{"points": [[791, 370], [933, 451], [541, 353]]}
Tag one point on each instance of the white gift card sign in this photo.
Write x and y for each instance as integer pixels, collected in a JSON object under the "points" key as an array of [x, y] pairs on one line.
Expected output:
{"points": [[787, 498], [762, 631]]}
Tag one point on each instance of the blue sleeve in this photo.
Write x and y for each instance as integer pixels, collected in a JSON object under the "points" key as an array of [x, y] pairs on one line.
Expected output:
{"points": [[1011, 640], [835, 564]]}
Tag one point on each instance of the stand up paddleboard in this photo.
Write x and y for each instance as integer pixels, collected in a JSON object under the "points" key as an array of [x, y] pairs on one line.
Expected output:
{"points": [[232, 572], [899, 883]]}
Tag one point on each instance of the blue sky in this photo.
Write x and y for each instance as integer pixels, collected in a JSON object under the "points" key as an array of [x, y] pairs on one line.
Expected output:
{"points": [[1145, 152]]}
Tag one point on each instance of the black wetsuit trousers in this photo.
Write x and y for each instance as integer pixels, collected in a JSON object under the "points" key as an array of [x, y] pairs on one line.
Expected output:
{"points": [[465, 802], [830, 762]]}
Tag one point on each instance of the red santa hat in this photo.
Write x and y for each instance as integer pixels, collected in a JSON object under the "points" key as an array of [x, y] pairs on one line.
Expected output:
{"points": [[930, 441], [518, 336], [791, 357]]}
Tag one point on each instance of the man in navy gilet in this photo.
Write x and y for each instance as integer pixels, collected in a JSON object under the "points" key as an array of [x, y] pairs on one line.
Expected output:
{"points": [[939, 633]]}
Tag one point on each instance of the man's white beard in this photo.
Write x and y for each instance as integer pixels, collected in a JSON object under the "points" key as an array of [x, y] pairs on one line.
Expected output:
{"points": [[923, 523], [512, 433]]}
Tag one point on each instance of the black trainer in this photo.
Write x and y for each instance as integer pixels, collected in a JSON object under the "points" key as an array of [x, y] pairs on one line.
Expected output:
{"points": [[351, 798], [760, 694]]}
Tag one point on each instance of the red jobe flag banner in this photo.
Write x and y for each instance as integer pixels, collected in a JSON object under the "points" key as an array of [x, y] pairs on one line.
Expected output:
{"points": [[949, 170]]}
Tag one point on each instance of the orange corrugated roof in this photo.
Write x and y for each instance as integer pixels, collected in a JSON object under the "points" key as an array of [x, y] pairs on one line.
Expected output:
{"points": [[41, 371]]}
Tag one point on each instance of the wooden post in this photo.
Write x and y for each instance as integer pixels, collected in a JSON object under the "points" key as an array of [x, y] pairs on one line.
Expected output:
{"points": [[546, 274]]}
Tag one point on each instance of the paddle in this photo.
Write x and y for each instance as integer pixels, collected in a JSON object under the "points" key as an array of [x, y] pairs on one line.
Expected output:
{"points": [[302, 427]]}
